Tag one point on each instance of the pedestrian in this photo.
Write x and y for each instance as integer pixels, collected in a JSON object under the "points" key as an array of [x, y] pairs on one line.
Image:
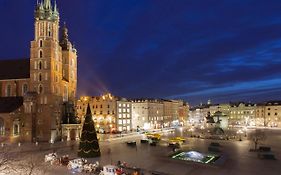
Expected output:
{"points": [[109, 151]]}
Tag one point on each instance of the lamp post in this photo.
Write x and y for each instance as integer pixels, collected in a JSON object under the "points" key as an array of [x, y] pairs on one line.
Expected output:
{"points": [[240, 132]]}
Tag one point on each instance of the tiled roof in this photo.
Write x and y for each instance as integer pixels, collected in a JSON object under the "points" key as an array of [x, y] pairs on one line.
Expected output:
{"points": [[14, 69], [10, 104]]}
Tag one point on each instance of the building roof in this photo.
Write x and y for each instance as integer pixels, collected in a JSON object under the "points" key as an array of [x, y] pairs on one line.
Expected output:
{"points": [[273, 103], [14, 69], [236, 104], [10, 104]]}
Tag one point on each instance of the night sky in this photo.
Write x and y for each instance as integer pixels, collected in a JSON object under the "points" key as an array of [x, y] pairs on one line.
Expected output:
{"points": [[183, 49]]}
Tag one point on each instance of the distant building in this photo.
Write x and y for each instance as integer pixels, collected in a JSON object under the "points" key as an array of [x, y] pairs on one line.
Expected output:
{"points": [[242, 114], [147, 114], [158, 113], [269, 114], [197, 114]]}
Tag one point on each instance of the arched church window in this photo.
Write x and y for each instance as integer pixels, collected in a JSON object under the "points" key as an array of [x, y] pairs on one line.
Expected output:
{"points": [[16, 128], [2, 127], [40, 65], [40, 43], [49, 29], [24, 89], [40, 89], [8, 90], [40, 54], [40, 77]]}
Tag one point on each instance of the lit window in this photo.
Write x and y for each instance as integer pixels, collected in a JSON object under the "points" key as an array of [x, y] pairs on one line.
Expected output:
{"points": [[2, 127], [24, 89], [8, 90], [16, 129]]}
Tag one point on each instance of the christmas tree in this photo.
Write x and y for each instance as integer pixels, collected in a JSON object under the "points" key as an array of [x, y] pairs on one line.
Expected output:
{"points": [[89, 145]]}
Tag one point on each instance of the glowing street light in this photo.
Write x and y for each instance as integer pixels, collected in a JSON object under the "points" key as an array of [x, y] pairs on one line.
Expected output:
{"points": [[240, 132]]}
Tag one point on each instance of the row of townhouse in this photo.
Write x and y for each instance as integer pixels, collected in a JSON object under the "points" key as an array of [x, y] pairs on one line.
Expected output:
{"points": [[240, 113], [111, 113]]}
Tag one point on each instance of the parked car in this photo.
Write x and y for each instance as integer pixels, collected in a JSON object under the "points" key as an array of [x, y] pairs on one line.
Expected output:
{"points": [[144, 141], [132, 143], [112, 170]]}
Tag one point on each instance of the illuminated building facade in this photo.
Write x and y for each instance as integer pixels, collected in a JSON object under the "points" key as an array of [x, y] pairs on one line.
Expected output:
{"points": [[158, 113], [103, 109], [242, 114], [124, 115], [269, 114]]}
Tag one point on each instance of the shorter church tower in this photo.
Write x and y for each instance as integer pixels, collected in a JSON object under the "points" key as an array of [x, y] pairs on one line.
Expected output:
{"points": [[69, 66]]}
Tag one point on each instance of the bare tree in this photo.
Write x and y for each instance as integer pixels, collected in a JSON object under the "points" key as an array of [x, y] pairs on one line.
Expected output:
{"points": [[7, 159], [257, 137], [32, 164]]}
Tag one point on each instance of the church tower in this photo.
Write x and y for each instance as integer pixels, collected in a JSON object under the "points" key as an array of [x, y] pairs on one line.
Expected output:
{"points": [[48, 71], [69, 65]]}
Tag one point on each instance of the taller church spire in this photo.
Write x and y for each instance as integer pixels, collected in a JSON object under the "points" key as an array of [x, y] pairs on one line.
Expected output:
{"points": [[47, 5], [45, 11]]}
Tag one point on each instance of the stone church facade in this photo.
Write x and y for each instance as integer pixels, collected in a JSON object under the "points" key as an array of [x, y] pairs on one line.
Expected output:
{"points": [[34, 92]]}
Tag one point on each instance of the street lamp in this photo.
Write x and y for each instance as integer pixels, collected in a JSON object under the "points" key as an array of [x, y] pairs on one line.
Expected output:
{"points": [[240, 132]]}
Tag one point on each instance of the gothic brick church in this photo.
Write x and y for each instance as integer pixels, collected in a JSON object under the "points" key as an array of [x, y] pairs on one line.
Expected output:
{"points": [[34, 91]]}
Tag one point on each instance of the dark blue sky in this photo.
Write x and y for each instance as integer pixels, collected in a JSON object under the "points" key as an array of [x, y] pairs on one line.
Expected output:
{"points": [[190, 49]]}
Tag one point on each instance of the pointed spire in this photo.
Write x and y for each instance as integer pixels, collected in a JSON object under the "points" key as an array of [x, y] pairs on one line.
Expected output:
{"points": [[47, 4], [88, 113], [41, 6], [64, 42], [55, 8]]}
